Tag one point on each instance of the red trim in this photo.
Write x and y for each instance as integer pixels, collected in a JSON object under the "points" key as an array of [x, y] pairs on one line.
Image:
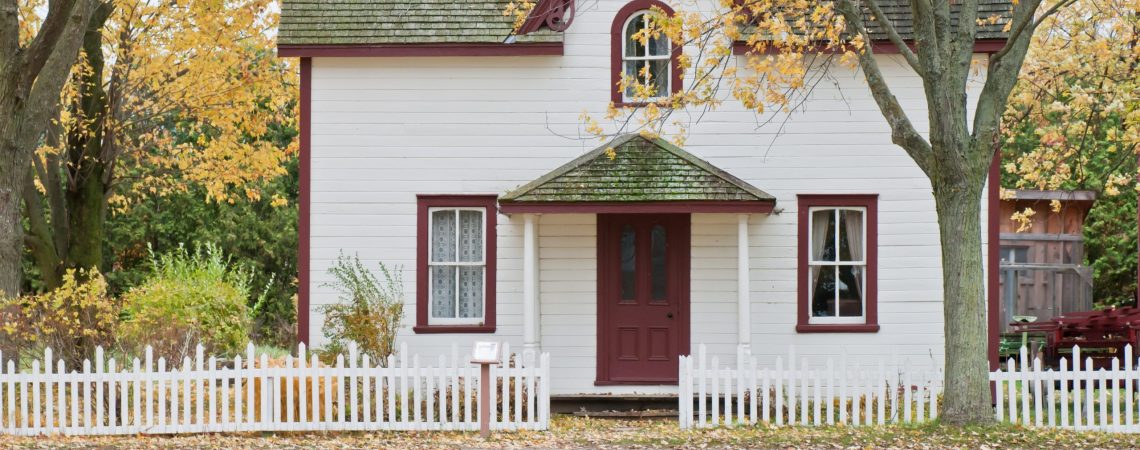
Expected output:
{"points": [[476, 49], [616, 43], [993, 257], [679, 207], [681, 252], [871, 296], [425, 201], [303, 196], [551, 14], [884, 47], [837, 328]]}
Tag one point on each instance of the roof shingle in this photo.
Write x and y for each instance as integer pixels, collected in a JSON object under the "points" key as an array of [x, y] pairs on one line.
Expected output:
{"points": [[641, 170]]}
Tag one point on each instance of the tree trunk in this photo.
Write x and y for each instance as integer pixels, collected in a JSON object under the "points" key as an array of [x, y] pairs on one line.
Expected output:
{"points": [[11, 230], [967, 394]]}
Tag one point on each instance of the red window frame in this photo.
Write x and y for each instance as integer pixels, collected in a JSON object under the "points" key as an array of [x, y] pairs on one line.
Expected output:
{"points": [[423, 203], [871, 291], [616, 36]]}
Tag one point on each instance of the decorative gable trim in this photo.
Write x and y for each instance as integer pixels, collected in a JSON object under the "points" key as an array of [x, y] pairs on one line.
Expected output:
{"points": [[556, 15]]}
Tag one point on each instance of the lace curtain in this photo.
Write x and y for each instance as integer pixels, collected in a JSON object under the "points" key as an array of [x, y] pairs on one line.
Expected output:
{"points": [[457, 290]]}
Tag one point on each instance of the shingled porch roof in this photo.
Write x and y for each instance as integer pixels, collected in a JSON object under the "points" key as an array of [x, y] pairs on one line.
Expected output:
{"points": [[640, 176]]}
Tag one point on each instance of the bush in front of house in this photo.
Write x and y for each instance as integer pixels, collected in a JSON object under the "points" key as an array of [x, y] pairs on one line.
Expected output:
{"points": [[369, 312], [72, 320], [190, 298]]}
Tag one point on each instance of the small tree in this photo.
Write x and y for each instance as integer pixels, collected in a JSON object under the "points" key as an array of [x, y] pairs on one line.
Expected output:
{"points": [[370, 311]]}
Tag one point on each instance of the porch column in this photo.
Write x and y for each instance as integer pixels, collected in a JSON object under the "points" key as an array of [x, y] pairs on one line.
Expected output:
{"points": [[530, 283], [743, 288]]}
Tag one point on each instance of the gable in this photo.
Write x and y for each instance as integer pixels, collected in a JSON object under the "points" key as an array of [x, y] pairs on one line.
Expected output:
{"points": [[637, 170]]}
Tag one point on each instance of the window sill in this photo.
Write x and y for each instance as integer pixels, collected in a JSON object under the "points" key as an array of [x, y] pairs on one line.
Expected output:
{"points": [[439, 329], [837, 328]]}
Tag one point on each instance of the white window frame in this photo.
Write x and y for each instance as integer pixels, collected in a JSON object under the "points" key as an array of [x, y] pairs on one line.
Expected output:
{"points": [[836, 320], [645, 59], [432, 320]]}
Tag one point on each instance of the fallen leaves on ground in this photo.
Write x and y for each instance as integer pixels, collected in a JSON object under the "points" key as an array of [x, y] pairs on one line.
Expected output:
{"points": [[592, 433]]}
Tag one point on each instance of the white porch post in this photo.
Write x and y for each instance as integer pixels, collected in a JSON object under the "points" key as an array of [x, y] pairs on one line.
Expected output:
{"points": [[530, 283], [743, 288]]}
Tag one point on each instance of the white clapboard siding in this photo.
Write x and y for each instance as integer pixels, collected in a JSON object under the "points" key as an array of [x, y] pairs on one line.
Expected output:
{"points": [[803, 392], [254, 393], [1074, 395]]}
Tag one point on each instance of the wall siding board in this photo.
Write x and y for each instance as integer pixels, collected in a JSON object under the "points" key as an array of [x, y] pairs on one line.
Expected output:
{"points": [[386, 129]]}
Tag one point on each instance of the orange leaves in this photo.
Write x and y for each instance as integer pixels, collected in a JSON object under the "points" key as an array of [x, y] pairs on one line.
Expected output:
{"points": [[201, 93], [759, 52], [1076, 105]]}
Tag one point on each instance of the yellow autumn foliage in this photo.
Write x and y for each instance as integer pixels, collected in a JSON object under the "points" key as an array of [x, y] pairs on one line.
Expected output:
{"points": [[72, 320], [195, 90]]}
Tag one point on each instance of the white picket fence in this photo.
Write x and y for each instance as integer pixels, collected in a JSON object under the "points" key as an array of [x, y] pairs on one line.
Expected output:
{"points": [[208, 395], [1077, 397], [811, 394]]}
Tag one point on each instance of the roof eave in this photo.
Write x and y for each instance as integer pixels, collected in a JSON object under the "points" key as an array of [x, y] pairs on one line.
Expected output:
{"points": [[647, 207], [420, 50]]}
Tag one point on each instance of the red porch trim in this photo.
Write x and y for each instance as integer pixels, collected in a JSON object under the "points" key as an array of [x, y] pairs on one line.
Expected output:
{"points": [[616, 38], [425, 201], [662, 207], [394, 50], [303, 197], [871, 290], [887, 47], [993, 258]]}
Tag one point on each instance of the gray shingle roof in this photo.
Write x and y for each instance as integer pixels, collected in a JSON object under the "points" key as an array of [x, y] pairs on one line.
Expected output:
{"points": [[380, 22], [642, 170], [899, 14], [384, 22]]}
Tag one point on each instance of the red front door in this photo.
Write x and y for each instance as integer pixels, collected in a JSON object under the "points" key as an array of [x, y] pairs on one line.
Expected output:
{"points": [[643, 297]]}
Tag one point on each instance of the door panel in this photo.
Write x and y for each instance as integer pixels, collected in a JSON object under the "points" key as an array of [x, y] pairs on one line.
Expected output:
{"points": [[643, 297]]}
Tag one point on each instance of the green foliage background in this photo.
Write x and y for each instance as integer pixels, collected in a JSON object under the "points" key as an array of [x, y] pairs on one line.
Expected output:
{"points": [[1111, 226]]}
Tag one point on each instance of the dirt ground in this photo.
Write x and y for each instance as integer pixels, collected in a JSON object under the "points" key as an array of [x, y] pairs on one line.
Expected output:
{"points": [[589, 433]]}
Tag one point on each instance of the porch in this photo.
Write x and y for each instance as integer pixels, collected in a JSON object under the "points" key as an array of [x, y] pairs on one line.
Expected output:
{"points": [[627, 227]]}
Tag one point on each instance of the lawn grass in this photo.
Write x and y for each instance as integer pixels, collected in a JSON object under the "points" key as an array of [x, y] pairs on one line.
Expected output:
{"points": [[575, 432]]}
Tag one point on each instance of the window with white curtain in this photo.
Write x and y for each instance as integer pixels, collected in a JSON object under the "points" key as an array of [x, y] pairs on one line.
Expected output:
{"points": [[457, 265], [837, 276]]}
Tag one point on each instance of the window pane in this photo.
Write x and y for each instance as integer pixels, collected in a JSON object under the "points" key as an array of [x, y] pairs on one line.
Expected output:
{"points": [[628, 263], [658, 46], [633, 46], [631, 72], [443, 291], [823, 291], [659, 76], [850, 291], [443, 236], [823, 235], [471, 236], [659, 279], [471, 292], [851, 235]]}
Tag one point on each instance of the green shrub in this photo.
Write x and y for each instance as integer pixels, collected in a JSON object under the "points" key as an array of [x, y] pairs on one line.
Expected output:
{"points": [[191, 298], [369, 312], [72, 320]]}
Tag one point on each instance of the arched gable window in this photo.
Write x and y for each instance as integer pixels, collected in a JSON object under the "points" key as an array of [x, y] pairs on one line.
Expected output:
{"points": [[654, 61]]}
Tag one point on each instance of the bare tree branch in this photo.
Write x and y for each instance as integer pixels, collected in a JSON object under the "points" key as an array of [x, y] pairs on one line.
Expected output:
{"points": [[893, 35], [903, 132]]}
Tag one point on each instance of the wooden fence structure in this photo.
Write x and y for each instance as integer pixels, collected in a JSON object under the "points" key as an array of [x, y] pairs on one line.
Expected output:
{"points": [[207, 395], [711, 394], [1075, 395]]}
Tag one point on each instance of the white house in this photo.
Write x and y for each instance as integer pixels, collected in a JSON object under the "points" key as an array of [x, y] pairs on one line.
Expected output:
{"points": [[435, 138]]}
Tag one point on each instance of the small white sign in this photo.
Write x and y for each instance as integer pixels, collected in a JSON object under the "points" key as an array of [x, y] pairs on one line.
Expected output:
{"points": [[485, 352]]}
